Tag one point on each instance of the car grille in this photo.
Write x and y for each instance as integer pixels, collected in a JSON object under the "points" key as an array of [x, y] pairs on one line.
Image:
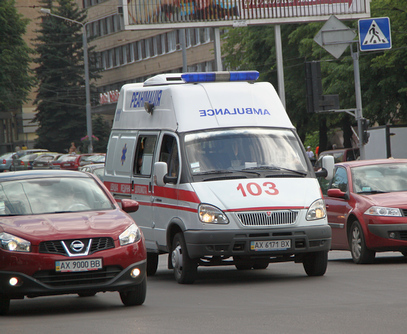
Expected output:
{"points": [[404, 212], [268, 218], [58, 279], [57, 246]]}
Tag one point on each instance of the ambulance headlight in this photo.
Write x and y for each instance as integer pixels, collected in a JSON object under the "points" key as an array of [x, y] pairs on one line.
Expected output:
{"points": [[317, 210], [209, 214]]}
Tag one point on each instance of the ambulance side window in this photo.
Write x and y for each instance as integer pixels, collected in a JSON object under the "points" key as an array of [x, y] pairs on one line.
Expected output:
{"points": [[169, 154], [144, 155]]}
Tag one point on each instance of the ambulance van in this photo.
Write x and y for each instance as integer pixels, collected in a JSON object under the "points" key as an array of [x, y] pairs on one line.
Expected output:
{"points": [[219, 172]]}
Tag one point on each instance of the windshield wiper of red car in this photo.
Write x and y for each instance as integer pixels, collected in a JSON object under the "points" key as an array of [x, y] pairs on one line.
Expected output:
{"points": [[373, 192]]}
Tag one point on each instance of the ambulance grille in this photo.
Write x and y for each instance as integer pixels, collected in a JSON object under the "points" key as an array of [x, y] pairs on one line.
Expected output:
{"points": [[268, 218]]}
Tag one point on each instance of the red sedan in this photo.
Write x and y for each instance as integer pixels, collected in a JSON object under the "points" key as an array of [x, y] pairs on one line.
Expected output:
{"points": [[61, 232], [366, 202], [73, 161]]}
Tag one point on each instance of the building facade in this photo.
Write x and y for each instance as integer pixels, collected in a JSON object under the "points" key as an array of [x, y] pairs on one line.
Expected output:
{"points": [[124, 56]]}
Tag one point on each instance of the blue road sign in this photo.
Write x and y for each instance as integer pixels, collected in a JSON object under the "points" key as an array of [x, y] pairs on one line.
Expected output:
{"points": [[374, 34]]}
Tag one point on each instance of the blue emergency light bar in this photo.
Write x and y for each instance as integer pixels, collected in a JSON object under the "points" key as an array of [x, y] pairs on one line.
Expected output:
{"points": [[220, 76]]}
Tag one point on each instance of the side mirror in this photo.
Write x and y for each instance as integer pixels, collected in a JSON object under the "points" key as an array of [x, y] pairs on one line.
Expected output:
{"points": [[336, 193], [160, 171], [129, 205], [327, 167]]}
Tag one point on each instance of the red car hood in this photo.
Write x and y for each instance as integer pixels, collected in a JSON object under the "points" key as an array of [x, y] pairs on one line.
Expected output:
{"points": [[393, 199], [37, 228]]}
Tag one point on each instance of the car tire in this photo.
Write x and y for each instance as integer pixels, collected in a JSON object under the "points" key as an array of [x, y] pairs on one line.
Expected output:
{"points": [[4, 305], [360, 253], [260, 265], [315, 264], [185, 268], [240, 266], [152, 263], [136, 295]]}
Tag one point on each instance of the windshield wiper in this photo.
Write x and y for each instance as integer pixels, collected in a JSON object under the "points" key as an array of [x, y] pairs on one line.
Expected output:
{"points": [[218, 171], [277, 169], [373, 192]]}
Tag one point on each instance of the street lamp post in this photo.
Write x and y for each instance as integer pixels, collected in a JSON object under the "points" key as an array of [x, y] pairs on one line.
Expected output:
{"points": [[86, 63]]}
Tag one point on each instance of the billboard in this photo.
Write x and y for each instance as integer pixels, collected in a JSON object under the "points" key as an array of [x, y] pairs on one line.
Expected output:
{"points": [[178, 14]]}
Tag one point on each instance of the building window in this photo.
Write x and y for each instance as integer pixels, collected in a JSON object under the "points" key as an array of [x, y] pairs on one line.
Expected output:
{"points": [[130, 48], [172, 41], [125, 54], [141, 50], [111, 59], [102, 27], [116, 23], [109, 25], [188, 40], [118, 56], [156, 45]]}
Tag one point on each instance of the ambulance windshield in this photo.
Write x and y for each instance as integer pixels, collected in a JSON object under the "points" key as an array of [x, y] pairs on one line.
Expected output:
{"points": [[273, 152]]}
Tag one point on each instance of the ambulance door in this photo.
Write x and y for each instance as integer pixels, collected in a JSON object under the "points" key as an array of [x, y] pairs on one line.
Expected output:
{"points": [[141, 184], [165, 199], [119, 163]]}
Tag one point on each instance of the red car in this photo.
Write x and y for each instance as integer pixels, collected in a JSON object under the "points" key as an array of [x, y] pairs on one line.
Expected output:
{"points": [[72, 161], [366, 202], [61, 232]]}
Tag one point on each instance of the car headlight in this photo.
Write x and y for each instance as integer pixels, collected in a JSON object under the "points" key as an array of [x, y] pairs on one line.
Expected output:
{"points": [[14, 244], [383, 211], [211, 215], [317, 210], [130, 235]]}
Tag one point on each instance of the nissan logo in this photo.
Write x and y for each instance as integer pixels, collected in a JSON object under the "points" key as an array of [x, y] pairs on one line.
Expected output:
{"points": [[77, 245]]}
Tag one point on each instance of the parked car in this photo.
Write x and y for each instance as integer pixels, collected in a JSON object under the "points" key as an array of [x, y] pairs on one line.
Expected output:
{"points": [[16, 163], [44, 161], [25, 162], [366, 203], [97, 169], [5, 161], [342, 154], [62, 232], [95, 158], [71, 161]]}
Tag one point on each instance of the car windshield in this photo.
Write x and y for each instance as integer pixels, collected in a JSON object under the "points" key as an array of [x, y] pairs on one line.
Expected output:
{"points": [[52, 195], [380, 178], [65, 158], [270, 151]]}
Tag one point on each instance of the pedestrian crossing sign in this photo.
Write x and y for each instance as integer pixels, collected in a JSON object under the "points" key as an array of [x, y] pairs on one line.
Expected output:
{"points": [[374, 34]]}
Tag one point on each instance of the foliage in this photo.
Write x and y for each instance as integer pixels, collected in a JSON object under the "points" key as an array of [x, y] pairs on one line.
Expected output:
{"points": [[101, 131], [15, 75], [383, 73], [61, 97]]}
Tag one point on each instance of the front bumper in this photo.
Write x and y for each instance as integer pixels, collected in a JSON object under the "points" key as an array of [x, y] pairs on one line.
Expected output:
{"points": [[113, 280], [237, 242]]}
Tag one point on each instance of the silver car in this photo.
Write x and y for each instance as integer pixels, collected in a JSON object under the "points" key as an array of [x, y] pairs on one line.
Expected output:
{"points": [[6, 161]]}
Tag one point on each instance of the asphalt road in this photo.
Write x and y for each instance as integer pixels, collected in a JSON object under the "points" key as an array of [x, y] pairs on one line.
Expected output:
{"points": [[281, 299]]}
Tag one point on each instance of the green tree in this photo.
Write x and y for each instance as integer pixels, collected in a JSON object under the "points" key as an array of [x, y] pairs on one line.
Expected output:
{"points": [[101, 131], [61, 94], [254, 48], [15, 75], [383, 73]]}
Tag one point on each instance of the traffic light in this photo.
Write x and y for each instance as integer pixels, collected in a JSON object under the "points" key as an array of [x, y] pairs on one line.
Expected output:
{"points": [[365, 135], [314, 85]]}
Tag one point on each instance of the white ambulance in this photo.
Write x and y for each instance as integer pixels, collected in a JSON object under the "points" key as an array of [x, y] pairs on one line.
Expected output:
{"points": [[219, 172]]}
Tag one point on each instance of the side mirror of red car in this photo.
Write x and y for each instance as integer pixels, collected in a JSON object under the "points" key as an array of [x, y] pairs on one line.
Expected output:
{"points": [[336, 193], [129, 205]]}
